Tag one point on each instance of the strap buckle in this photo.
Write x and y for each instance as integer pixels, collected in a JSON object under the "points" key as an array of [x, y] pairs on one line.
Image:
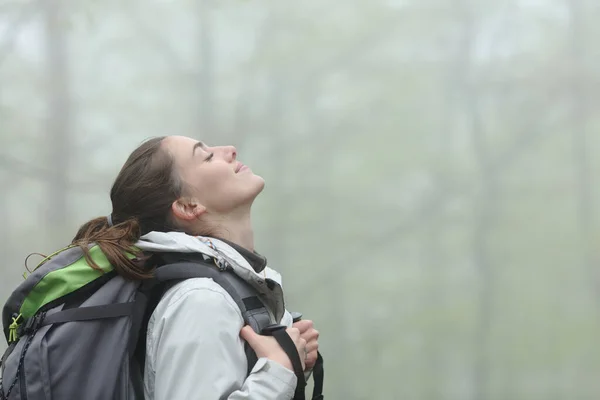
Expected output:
{"points": [[296, 316], [269, 330]]}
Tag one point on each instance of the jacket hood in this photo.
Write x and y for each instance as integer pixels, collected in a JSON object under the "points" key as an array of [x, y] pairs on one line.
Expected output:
{"points": [[268, 282]]}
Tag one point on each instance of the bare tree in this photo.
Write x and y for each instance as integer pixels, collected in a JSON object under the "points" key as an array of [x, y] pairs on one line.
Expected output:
{"points": [[434, 293], [6, 43], [5, 220], [279, 157], [207, 73], [273, 122], [332, 212], [488, 201], [58, 117], [579, 122]]}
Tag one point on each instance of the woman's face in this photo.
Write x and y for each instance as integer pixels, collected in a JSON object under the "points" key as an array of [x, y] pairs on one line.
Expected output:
{"points": [[212, 175]]}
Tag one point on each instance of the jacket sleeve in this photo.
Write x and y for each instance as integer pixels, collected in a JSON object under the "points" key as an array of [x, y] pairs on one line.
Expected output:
{"points": [[198, 354]]}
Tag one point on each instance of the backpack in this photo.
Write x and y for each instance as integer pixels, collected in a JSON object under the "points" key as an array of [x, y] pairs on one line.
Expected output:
{"points": [[75, 332]]}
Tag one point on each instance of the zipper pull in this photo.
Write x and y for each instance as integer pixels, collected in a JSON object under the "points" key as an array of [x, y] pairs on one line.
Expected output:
{"points": [[222, 264], [13, 336]]}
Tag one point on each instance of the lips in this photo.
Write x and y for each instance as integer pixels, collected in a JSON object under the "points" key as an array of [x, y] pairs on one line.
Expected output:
{"points": [[239, 167]]}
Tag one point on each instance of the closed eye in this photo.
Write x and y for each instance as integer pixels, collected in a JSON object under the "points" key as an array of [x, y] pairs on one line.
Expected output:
{"points": [[210, 156]]}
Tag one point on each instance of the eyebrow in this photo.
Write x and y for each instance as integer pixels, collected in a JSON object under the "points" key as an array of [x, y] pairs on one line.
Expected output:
{"points": [[199, 144]]}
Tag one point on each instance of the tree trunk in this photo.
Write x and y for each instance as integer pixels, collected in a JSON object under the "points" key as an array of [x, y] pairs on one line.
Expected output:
{"points": [[5, 230], [275, 124], [434, 293], [58, 119], [207, 73], [487, 202], [579, 118]]}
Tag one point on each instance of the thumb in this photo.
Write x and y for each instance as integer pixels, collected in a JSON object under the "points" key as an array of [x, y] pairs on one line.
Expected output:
{"points": [[248, 334]]}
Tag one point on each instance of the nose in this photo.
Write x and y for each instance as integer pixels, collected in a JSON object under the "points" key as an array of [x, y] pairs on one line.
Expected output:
{"points": [[230, 153]]}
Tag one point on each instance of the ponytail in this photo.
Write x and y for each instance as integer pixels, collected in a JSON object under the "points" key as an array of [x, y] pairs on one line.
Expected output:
{"points": [[117, 243], [141, 198]]}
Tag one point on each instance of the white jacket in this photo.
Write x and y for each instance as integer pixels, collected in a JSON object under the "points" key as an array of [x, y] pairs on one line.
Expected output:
{"points": [[194, 349]]}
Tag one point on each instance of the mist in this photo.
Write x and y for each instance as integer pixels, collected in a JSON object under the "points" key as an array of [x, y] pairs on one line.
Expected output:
{"points": [[430, 165]]}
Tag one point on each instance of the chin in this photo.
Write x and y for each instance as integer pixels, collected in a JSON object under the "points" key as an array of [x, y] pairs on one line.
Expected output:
{"points": [[252, 189], [260, 184]]}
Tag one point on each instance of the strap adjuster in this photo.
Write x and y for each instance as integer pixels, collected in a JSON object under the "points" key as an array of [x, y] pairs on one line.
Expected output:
{"points": [[269, 330], [32, 324]]}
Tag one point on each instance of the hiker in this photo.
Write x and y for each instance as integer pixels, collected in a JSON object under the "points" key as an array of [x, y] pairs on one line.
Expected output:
{"points": [[177, 197]]}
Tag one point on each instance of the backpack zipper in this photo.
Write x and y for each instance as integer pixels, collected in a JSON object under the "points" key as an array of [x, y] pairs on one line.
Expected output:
{"points": [[22, 385], [20, 375], [21, 371]]}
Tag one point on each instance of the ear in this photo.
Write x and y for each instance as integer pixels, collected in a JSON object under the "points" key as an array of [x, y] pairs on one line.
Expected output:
{"points": [[187, 209]]}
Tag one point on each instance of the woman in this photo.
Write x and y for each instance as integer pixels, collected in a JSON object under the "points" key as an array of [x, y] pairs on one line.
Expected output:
{"points": [[179, 195]]}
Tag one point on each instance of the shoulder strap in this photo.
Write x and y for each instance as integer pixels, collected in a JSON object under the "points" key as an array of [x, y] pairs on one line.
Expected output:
{"points": [[175, 267], [253, 309]]}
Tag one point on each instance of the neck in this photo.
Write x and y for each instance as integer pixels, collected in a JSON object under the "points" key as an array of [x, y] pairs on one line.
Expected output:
{"points": [[236, 228]]}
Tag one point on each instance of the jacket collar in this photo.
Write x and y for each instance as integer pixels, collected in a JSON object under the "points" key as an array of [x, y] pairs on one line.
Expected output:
{"points": [[256, 261], [266, 281]]}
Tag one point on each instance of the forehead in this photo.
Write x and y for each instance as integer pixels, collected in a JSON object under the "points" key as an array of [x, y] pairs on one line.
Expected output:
{"points": [[180, 147]]}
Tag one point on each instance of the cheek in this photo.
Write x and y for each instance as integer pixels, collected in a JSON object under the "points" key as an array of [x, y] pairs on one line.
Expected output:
{"points": [[193, 181], [217, 181], [218, 176]]}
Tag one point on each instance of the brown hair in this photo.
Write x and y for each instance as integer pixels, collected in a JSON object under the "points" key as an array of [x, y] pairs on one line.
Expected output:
{"points": [[141, 198]]}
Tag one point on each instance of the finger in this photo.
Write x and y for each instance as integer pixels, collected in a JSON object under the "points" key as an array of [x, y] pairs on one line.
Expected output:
{"points": [[302, 343], [311, 359], [303, 357], [311, 334], [303, 325], [294, 333], [312, 346], [248, 334]]}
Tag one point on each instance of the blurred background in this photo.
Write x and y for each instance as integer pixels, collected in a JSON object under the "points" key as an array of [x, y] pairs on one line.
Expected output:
{"points": [[431, 193]]}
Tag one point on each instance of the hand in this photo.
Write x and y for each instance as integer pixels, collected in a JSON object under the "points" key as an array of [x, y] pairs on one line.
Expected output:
{"points": [[311, 335], [267, 346]]}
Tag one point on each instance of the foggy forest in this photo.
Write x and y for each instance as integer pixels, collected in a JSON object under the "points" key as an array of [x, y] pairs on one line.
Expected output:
{"points": [[430, 167]]}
